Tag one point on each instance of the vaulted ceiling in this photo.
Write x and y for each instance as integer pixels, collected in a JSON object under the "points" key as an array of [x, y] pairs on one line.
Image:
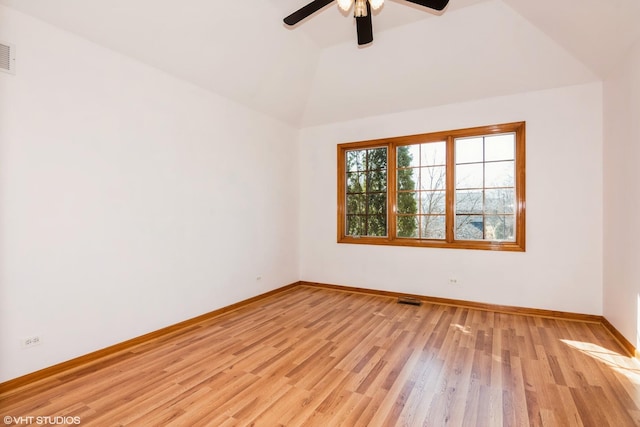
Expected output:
{"points": [[315, 73]]}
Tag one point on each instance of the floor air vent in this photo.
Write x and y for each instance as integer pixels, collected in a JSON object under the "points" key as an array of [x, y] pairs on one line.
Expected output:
{"points": [[7, 58], [409, 300]]}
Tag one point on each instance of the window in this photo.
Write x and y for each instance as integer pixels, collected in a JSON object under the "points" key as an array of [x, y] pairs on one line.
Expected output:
{"points": [[366, 192], [458, 189]]}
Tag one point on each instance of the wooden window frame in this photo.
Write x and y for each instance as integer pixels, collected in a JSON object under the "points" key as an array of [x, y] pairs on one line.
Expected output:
{"points": [[518, 245]]}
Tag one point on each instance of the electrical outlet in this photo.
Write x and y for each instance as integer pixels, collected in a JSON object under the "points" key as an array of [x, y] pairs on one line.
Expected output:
{"points": [[30, 341], [453, 281]]}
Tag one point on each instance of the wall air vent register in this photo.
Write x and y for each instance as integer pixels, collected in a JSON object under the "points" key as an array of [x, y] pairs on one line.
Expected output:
{"points": [[7, 58]]}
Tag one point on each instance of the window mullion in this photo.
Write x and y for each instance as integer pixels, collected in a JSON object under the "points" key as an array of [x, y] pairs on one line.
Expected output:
{"points": [[450, 219], [392, 195], [366, 193]]}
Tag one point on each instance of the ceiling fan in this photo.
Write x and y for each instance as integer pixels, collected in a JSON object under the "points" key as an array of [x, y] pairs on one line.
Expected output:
{"points": [[361, 11]]}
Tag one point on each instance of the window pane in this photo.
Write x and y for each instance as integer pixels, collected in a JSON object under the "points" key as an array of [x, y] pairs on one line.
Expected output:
{"points": [[408, 179], [356, 182], [433, 154], [408, 226], [469, 176], [469, 227], [377, 158], [408, 155], [377, 204], [356, 203], [469, 202], [500, 201], [433, 227], [377, 180], [355, 225], [433, 178], [499, 174], [433, 202], [499, 147], [356, 160], [367, 225], [469, 150], [500, 227], [407, 203], [377, 225]]}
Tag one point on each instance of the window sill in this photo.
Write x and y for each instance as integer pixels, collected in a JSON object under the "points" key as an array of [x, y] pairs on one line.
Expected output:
{"points": [[462, 244]]}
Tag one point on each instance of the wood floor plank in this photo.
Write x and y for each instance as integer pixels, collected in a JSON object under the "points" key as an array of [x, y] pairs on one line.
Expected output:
{"points": [[319, 357]]}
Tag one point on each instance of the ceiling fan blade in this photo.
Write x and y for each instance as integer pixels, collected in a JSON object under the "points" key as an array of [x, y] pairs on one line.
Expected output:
{"points": [[365, 27], [431, 4], [305, 11]]}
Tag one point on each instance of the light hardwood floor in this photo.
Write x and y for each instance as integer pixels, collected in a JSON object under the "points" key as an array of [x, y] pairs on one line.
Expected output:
{"points": [[320, 357]]}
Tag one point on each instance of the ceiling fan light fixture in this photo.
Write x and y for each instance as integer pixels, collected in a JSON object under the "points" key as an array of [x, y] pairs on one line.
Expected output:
{"points": [[360, 9], [376, 4], [345, 4], [361, 12]]}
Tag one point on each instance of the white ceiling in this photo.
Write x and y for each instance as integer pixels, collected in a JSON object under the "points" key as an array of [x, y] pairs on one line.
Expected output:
{"points": [[314, 73], [597, 32]]}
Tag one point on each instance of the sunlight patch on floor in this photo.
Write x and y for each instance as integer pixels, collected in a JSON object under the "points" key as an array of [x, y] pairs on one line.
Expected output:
{"points": [[461, 328], [625, 365]]}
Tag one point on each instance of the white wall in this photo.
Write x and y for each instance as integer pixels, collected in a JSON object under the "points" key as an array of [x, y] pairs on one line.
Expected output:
{"points": [[129, 200], [622, 197], [562, 267]]}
